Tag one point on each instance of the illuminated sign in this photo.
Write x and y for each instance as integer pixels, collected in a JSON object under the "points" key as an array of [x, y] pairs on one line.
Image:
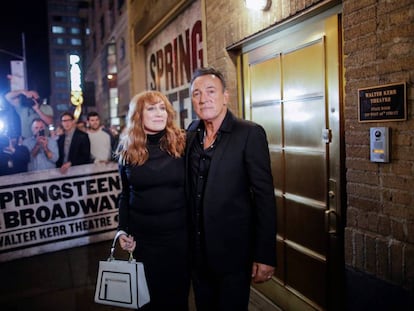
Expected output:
{"points": [[18, 77], [76, 94]]}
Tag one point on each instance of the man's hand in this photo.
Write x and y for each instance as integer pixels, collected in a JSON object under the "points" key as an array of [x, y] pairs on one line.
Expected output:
{"points": [[42, 141], [261, 272], [65, 167]]}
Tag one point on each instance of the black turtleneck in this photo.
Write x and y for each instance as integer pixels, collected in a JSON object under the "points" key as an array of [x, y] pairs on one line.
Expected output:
{"points": [[156, 197], [152, 209]]}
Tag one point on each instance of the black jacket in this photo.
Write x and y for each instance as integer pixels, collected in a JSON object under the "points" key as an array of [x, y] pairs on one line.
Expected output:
{"points": [[79, 151], [239, 205]]}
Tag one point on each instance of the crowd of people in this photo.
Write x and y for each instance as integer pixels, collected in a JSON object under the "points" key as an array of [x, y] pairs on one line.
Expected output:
{"points": [[30, 142], [197, 204]]}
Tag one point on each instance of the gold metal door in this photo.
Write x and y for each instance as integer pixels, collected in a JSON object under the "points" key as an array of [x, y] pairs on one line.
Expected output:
{"points": [[292, 88]]}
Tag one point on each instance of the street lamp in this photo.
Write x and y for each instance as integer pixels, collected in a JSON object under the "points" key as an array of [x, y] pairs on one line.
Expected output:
{"points": [[21, 57]]}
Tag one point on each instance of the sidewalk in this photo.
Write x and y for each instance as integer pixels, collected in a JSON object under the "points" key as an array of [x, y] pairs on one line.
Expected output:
{"points": [[65, 281]]}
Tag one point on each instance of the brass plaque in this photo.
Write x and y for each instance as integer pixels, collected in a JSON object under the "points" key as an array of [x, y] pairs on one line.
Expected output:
{"points": [[382, 103]]}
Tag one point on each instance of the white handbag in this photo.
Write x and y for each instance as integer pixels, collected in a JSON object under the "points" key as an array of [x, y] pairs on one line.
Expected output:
{"points": [[121, 283]]}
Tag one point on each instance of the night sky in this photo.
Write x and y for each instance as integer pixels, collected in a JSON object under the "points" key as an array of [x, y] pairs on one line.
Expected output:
{"points": [[28, 17]]}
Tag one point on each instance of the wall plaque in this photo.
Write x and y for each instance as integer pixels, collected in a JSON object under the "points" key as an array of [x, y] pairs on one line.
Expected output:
{"points": [[382, 103]]}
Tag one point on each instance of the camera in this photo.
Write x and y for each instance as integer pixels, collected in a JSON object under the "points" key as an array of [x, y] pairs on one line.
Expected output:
{"points": [[30, 102], [42, 133], [27, 102]]}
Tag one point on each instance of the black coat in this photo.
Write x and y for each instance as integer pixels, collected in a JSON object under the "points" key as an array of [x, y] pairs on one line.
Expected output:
{"points": [[239, 205], [16, 162], [79, 151]]}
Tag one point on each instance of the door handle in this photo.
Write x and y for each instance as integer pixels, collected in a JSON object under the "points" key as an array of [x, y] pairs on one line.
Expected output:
{"points": [[331, 219]]}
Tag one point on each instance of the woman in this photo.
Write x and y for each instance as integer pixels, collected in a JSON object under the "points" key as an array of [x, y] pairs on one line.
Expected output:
{"points": [[152, 206]]}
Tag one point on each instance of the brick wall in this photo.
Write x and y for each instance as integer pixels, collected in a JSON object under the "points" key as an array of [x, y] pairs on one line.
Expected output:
{"points": [[229, 22], [378, 50]]}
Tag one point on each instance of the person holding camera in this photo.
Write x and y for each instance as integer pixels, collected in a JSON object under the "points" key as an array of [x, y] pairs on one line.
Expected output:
{"points": [[44, 151], [14, 157], [28, 106]]}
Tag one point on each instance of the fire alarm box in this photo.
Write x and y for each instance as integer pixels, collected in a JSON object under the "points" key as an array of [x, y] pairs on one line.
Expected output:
{"points": [[379, 144]]}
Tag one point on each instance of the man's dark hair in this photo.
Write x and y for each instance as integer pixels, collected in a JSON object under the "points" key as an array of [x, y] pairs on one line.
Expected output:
{"points": [[92, 114], [208, 71], [37, 120], [67, 113]]}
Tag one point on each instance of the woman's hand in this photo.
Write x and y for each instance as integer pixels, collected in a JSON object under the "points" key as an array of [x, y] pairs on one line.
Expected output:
{"points": [[127, 242]]}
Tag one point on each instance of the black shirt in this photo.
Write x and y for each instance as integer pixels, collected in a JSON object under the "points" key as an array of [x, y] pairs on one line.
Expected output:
{"points": [[200, 160]]}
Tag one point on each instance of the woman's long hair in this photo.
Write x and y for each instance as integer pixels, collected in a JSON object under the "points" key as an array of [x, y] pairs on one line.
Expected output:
{"points": [[132, 147]]}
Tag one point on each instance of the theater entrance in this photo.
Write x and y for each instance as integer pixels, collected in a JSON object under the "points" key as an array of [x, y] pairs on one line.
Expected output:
{"points": [[292, 86]]}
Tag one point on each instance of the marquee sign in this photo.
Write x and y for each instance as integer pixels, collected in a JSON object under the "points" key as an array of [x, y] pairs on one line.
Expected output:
{"points": [[171, 58]]}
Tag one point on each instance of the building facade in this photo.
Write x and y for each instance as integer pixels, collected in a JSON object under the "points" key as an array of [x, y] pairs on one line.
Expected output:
{"points": [[66, 43], [331, 82], [107, 66]]}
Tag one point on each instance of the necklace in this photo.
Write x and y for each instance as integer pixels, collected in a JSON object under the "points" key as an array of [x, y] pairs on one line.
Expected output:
{"points": [[208, 142]]}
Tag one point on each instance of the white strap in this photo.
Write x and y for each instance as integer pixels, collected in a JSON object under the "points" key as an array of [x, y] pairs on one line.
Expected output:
{"points": [[117, 235]]}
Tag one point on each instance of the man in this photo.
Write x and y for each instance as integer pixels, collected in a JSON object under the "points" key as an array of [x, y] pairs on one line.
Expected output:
{"points": [[74, 145], [43, 150], [232, 201], [101, 149], [28, 106], [81, 125]]}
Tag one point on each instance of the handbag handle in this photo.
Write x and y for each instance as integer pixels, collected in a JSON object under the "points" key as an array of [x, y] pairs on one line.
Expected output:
{"points": [[117, 235]]}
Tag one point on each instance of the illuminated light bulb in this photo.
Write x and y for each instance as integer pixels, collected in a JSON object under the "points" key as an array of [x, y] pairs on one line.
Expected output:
{"points": [[258, 4]]}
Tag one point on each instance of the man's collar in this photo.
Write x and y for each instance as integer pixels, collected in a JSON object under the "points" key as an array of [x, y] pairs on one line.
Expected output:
{"points": [[225, 124]]}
